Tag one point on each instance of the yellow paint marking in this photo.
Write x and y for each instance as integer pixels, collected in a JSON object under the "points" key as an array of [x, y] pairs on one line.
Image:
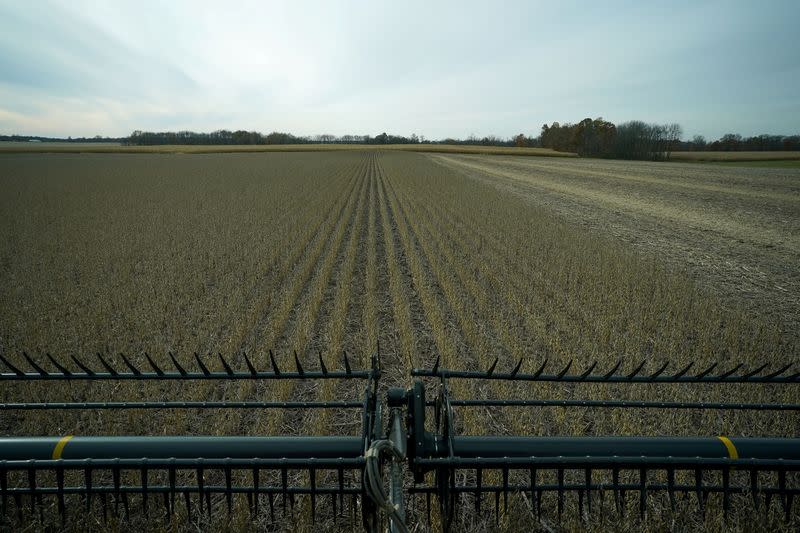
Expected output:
{"points": [[732, 453], [59, 449]]}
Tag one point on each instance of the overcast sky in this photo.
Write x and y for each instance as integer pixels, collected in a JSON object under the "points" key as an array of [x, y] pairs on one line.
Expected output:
{"points": [[437, 69]]}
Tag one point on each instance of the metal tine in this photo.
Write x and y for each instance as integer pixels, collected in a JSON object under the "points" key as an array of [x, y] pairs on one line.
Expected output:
{"points": [[756, 371], [617, 491], [322, 366], [144, 489], [172, 491], [87, 479], [250, 367], [187, 500], [297, 364], [754, 488], [334, 506], [588, 477], [778, 372], [726, 497], [533, 474], [167, 512], [83, 367], [202, 365], [347, 368], [731, 371], [3, 491], [707, 371], [60, 368], [153, 364], [104, 505], [516, 368], [130, 365], [671, 487], [611, 372], [200, 483], [496, 507], [478, 483], [228, 489], [636, 371], [32, 485], [312, 481], [505, 490], [256, 493], [540, 369], [126, 506], [14, 369], [782, 491], [60, 492], [271, 498], [115, 474], [284, 483], [588, 370], [18, 505], [642, 492], [428, 506], [491, 368], [275, 368], [564, 370], [660, 371], [683, 371], [35, 366], [225, 365], [105, 364], [340, 479], [435, 366], [698, 488], [560, 481], [177, 365]]}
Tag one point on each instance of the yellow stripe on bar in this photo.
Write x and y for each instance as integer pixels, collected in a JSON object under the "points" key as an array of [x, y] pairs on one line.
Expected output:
{"points": [[59, 449], [732, 453]]}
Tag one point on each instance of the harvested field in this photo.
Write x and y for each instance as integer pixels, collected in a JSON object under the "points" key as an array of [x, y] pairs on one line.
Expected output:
{"points": [[466, 258], [736, 156]]}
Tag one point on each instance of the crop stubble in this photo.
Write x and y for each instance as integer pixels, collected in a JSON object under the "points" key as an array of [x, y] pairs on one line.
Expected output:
{"points": [[339, 251]]}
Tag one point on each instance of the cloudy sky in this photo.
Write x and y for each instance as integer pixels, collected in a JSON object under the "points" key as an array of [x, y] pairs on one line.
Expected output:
{"points": [[437, 69]]}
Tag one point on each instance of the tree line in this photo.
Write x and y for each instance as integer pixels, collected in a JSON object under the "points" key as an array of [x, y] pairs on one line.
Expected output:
{"points": [[226, 137]]}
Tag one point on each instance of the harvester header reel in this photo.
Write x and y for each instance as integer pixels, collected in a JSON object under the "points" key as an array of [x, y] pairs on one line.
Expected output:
{"points": [[366, 474]]}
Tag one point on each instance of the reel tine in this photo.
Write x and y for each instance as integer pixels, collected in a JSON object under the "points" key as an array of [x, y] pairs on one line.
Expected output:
{"points": [[660, 371], [780, 371], [202, 365], [588, 371], [782, 491], [611, 372], [3, 490], [298, 365], [617, 491], [707, 371], [62, 509], [726, 496], [435, 367], [516, 368], [683, 371], [115, 474], [322, 366], [32, 486], [671, 487], [228, 488], [754, 491], [200, 483], [505, 489], [177, 365], [698, 488], [560, 481], [731, 372], [271, 498], [153, 364], [187, 500], [14, 369], [110, 369], [532, 473], [172, 482], [540, 369], [478, 483], [347, 369], [754, 372], [104, 505], [143, 474], [642, 492], [564, 370], [275, 369], [588, 478], [39, 370], [250, 367], [284, 491], [636, 371], [340, 479], [491, 368], [133, 369], [88, 371], [126, 506], [87, 480], [60, 368], [256, 493], [225, 365], [312, 478]]}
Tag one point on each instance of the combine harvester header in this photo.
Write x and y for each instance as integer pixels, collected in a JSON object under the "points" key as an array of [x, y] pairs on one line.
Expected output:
{"points": [[366, 474]]}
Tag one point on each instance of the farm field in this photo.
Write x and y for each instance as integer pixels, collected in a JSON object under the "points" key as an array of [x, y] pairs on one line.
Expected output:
{"points": [[460, 257], [736, 156]]}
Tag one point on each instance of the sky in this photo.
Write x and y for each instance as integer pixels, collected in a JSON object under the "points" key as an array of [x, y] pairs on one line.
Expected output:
{"points": [[437, 69]]}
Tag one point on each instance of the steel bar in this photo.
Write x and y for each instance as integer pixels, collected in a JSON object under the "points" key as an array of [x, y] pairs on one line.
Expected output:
{"points": [[623, 404], [211, 375], [553, 487], [182, 405], [692, 447], [182, 447], [636, 376], [214, 489], [608, 462], [183, 463]]}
